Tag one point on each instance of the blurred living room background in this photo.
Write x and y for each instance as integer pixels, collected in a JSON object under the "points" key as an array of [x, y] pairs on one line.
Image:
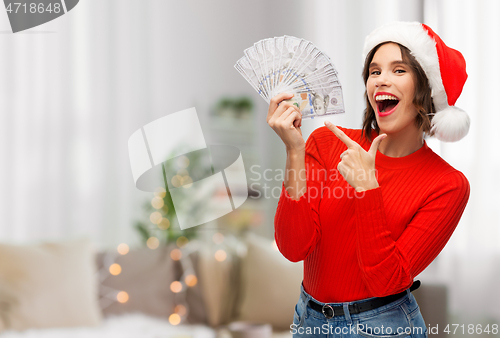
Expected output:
{"points": [[75, 89]]}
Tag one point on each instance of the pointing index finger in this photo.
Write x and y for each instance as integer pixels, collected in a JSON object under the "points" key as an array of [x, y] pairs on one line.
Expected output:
{"points": [[341, 135]]}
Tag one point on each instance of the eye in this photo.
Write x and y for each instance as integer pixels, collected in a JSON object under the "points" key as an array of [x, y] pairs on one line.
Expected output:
{"points": [[375, 72], [400, 71]]}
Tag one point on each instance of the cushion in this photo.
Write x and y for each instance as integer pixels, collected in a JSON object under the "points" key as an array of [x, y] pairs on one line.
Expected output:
{"points": [[146, 276], [48, 285], [219, 279], [270, 284]]}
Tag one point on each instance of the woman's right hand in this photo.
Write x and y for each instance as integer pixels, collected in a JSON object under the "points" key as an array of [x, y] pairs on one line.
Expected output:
{"points": [[286, 120]]}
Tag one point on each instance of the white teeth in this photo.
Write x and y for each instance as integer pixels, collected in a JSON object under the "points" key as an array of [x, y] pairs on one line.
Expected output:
{"points": [[385, 97]]}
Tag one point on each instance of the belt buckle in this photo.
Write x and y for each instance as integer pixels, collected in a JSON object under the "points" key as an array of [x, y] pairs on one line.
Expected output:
{"points": [[323, 311]]}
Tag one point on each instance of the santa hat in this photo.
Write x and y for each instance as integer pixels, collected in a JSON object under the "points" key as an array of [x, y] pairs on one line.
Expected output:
{"points": [[444, 67]]}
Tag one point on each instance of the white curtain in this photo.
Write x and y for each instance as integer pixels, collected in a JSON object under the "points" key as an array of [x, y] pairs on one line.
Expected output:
{"points": [[73, 90], [470, 263]]}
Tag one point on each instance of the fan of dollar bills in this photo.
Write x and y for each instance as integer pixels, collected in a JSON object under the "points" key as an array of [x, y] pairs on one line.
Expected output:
{"points": [[293, 65]]}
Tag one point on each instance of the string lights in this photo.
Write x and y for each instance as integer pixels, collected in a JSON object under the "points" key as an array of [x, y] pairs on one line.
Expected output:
{"points": [[162, 230], [181, 254]]}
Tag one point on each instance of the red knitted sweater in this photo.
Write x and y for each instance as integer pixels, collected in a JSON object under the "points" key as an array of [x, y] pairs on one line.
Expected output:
{"points": [[373, 243]]}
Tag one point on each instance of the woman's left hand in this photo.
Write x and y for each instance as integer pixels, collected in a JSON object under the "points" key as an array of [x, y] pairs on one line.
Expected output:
{"points": [[357, 165]]}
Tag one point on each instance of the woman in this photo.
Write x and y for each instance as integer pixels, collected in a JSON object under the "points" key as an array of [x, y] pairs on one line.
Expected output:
{"points": [[368, 210]]}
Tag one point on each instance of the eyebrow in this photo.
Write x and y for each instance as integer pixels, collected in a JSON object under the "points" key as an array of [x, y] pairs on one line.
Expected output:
{"points": [[393, 63]]}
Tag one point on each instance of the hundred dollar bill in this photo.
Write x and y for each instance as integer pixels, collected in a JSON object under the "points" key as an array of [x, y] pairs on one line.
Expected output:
{"points": [[297, 46], [244, 67], [318, 103], [322, 81], [262, 59], [290, 47], [279, 43], [269, 54], [314, 65], [293, 65], [253, 58]]}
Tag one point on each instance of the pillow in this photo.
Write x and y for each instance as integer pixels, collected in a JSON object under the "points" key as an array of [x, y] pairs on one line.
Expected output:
{"points": [[146, 276], [270, 284], [48, 285], [219, 279]]}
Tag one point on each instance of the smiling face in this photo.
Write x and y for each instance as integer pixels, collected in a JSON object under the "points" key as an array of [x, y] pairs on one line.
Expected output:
{"points": [[390, 89]]}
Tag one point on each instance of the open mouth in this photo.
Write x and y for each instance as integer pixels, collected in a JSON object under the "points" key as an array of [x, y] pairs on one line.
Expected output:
{"points": [[386, 103]]}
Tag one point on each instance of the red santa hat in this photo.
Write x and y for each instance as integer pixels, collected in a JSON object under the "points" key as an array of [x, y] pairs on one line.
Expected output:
{"points": [[444, 67]]}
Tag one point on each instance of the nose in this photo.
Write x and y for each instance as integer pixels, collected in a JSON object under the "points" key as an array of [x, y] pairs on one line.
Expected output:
{"points": [[382, 80]]}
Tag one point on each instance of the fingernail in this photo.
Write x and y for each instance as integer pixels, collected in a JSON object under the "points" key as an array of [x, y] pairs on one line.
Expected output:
{"points": [[328, 123]]}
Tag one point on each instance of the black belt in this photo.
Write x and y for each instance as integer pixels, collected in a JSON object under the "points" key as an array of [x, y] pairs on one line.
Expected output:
{"points": [[329, 311]]}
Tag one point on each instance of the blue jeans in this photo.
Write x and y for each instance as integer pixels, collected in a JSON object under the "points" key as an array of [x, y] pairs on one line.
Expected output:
{"points": [[399, 319]]}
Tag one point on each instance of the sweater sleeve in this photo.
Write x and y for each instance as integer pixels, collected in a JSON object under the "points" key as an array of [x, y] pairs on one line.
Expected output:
{"points": [[296, 222], [389, 265]]}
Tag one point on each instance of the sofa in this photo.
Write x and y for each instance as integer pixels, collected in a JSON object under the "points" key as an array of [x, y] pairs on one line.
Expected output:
{"points": [[68, 289]]}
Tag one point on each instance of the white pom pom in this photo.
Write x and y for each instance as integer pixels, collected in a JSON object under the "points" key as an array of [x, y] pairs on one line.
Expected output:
{"points": [[450, 124]]}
